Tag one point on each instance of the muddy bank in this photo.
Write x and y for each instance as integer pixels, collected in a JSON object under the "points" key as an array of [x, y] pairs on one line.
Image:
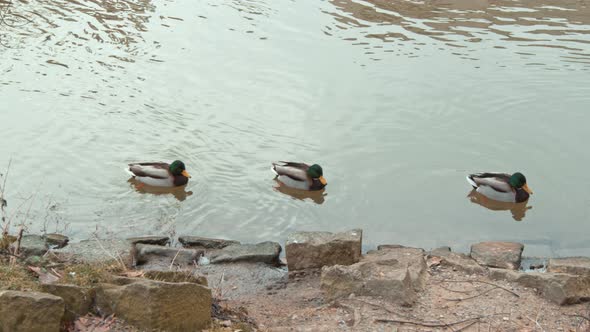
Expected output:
{"points": [[323, 283]]}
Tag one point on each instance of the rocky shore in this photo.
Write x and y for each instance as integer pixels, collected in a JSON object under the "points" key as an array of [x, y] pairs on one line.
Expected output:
{"points": [[322, 283]]}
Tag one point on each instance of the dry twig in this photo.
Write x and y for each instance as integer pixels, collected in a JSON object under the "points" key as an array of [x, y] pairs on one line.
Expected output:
{"points": [[483, 282]]}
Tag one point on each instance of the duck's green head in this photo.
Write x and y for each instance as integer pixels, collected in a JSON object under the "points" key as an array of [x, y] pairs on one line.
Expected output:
{"points": [[177, 168], [518, 180], [315, 171]]}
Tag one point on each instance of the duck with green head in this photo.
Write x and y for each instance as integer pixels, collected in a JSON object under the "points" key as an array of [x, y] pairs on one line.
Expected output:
{"points": [[160, 174], [300, 175], [501, 187]]}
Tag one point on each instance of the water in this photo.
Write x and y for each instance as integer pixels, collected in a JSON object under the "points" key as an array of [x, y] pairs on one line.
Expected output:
{"points": [[398, 102]]}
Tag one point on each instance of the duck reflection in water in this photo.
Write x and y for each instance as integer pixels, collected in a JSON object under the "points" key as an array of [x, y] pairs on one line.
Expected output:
{"points": [[178, 192], [518, 210], [317, 196]]}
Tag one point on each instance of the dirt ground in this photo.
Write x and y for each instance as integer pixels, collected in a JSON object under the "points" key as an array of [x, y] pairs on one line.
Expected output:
{"points": [[451, 301]]}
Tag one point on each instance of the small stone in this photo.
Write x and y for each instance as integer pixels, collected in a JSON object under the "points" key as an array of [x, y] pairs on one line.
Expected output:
{"points": [[226, 323], [505, 318]]}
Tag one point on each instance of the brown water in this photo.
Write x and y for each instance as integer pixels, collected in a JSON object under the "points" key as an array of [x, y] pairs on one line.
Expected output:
{"points": [[397, 100]]}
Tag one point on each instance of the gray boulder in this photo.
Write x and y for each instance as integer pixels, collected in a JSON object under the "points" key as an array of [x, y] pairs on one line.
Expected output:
{"points": [[394, 274], [457, 261], [264, 252], [157, 305], [505, 255], [204, 242], [30, 312], [305, 250]]}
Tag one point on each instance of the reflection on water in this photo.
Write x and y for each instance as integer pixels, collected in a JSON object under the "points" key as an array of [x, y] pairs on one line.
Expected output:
{"points": [[464, 27], [317, 196], [228, 86], [179, 193], [518, 210]]}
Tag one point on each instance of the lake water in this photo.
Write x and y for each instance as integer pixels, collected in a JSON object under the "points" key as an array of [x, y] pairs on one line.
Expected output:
{"points": [[397, 100]]}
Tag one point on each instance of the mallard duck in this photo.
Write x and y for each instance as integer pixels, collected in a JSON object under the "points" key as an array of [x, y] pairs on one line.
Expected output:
{"points": [[300, 175], [160, 174], [501, 186]]}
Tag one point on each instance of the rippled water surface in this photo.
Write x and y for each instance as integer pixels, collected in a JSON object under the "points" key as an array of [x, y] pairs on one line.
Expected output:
{"points": [[397, 100]]}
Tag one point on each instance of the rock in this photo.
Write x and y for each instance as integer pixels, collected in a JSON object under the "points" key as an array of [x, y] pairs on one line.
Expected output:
{"points": [[56, 241], [78, 300], [149, 252], [176, 276], [157, 305], [203, 242], [305, 250], [457, 261], [31, 245], [155, 240], [96, 250], [30, 312], [505, 255], [264, 252], [572, 265], [560, 288], [395, 274]]}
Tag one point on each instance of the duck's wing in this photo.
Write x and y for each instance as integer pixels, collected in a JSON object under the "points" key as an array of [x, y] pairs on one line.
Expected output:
{"points": [[296, 171], [156, 170], [496, 181]]}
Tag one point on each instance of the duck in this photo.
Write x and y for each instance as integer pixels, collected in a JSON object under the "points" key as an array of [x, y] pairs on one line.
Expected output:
{"points": [[501, 187], [160, 174], [300, 175]]}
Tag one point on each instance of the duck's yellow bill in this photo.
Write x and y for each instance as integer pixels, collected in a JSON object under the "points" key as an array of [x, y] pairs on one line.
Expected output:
{"points": [[185, 173], [323, 181], [527, 189]]}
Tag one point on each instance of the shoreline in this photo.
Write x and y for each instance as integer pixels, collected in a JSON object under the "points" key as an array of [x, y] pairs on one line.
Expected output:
{"points": [[323, 280]]}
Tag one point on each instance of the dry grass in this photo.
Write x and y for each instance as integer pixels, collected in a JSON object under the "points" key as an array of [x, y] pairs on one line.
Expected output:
{"points": [[89, 274], [16, 277]]}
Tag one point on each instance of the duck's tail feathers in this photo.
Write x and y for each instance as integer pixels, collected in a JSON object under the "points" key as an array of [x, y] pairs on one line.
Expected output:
{"points": [[273, 169], [471, 182]]}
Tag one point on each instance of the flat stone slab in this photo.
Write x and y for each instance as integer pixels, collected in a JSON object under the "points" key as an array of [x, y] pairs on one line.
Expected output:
{"points": [[559, 288], [264, 252], [504, 255], [149, 253], [94, 251], [572, 265], [157, 305], [396, 274], [155, 240], [204, 242], [307, 250], [32, 245], [56, 241], [30, 312]]}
